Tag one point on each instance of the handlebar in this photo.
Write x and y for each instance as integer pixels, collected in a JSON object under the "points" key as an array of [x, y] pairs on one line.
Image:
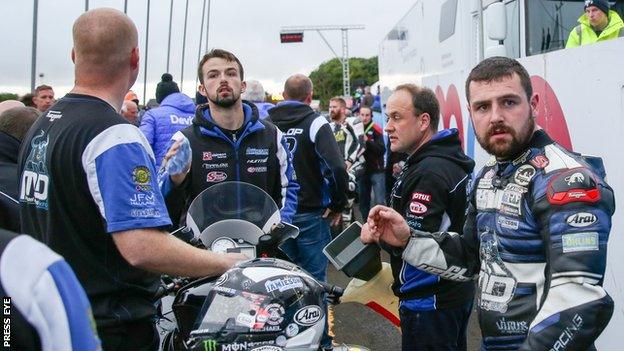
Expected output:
{"points": [[333, 290]]}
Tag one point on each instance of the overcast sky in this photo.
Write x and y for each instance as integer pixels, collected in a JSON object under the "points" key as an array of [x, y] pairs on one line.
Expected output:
{"points": [[248, 28]]}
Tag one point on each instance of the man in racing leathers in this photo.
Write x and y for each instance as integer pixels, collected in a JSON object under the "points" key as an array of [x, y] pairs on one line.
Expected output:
{"points": [[536, 230], [229, 141]]}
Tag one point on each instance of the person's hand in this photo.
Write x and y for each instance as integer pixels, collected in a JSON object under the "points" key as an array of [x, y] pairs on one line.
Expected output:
{"points": [[233, 258], [178, 178], [387, 225], [333, 217], [367, 236]]}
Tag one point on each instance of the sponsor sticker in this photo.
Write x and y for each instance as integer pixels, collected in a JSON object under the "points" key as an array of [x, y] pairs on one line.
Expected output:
{"points": [[246, 320], [216, 176], [417, 207], [292, 329], [524, 174], [577, 242], [142, 199], [308, 315], [575, 178], [581, 219], [275, 314], [283, 284], [257, 169], [222, 279], [540, 161], [508, 223], [421, 197], [258, 160], [215, 165], [257, 152], [141, 177], [209, 155], [145, 213]]}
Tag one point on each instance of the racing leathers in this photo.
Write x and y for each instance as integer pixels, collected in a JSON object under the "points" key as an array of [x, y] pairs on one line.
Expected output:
{"points": [[536, 235], [257, 154], [349, 143]]}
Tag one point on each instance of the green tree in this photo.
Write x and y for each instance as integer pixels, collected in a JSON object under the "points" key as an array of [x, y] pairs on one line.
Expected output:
{"points": [[8, 96], [327, 78]]}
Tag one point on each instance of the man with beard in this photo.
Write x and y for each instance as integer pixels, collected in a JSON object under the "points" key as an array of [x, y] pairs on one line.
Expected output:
{"points": [[344, 133], [229, 141], [537, 225], [89, 190]]}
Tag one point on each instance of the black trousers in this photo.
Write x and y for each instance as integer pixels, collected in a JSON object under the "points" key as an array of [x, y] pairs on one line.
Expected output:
{"points": [[134, 336]]}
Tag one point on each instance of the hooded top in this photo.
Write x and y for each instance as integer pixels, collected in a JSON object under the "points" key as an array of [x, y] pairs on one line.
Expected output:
{"points": [[9, 205], [256, 154], [584, 34], [431, 195], [159, 124], [317, 160]]}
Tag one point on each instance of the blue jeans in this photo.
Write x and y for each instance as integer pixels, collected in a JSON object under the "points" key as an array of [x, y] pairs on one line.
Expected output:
{"points": [[307, 251], [435, 330], [375, 182]]}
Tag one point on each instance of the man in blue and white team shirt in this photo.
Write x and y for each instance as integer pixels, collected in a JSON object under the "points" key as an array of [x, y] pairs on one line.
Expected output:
{"points": [[88, 189]]}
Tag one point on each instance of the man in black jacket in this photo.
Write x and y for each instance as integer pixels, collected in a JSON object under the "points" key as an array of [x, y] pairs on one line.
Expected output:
{"points": [[430, 194], [321, 174], [374, 177], [14, 124]]}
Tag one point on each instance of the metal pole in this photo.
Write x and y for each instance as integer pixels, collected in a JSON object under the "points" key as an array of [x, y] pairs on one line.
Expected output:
{"points": [[33, 65], [201, 33], [126, 7], [207, 25], [86, 5], [169, 40], [145, 65], [183, 47], [346, 85]]}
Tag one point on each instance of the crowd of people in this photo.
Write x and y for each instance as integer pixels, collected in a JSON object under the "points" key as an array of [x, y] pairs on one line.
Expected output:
{"points": [[95, 183]]}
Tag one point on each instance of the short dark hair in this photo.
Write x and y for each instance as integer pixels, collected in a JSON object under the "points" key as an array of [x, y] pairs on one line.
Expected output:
{"points": [[424, 101], [340, 100], [223, 54], [297, 87], [17, 120], [41, 88], [495, 69], [370, 109], [27, 99]]}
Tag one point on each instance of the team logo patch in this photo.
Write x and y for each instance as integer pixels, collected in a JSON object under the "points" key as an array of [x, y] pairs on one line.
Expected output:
{"points": [[524, 174], [216, 176], [576, 185], [576, 242], [417, 207], [292, 329], [421, 197], [581, 219], [275, 314], [540, 161], [209, 156], [308, 315], [257, 169], [141, 177]]}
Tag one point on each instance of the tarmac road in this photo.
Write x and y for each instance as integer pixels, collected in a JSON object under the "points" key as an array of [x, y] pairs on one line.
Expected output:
{"points": [[357, 324]]}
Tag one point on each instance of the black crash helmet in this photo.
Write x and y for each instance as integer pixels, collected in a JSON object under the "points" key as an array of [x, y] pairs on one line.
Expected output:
{"points": [[261, 305]]}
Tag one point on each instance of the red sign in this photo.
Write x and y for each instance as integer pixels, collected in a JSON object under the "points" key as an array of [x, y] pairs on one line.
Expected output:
{"points": [[291, 37]]}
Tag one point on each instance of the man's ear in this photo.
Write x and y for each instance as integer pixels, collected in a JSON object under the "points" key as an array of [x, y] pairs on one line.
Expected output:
{"points": [[534, 104], [73, 55], [243, 87], [202, 90], [426, 121], [135, 58]]}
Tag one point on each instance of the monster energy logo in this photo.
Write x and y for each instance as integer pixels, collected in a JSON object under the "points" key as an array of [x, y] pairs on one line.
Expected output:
{"points": [[210, 345]]}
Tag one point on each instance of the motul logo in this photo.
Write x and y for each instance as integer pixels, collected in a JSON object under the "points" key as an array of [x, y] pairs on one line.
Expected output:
{"points": [[581, 219]]}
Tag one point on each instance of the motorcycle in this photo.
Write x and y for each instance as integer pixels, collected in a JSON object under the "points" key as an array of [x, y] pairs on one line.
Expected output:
{"points": [[263, 304]]}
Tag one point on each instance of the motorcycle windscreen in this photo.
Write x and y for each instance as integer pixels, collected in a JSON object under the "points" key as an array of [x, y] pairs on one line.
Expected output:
{"points": [[230, 310], [232, 200]]}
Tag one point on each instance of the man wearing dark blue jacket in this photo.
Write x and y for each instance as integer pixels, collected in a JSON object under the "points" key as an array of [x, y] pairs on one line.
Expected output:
{"points": [[321, 173], [175, 113], [229, 141]]}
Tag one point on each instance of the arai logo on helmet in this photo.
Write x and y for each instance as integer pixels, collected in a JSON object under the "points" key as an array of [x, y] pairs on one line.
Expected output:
{"points": [[308, 315], [581, 219]]}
